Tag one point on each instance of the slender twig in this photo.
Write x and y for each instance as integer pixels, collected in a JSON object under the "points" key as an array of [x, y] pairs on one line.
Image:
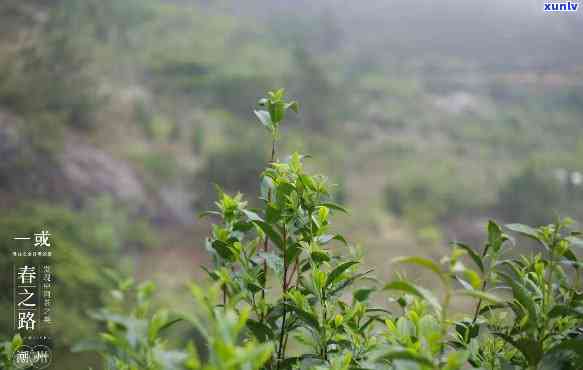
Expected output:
{"points": [[325, 319], [484, 285], [224, 297], [479, 305], [281, 352], [266, 241]]}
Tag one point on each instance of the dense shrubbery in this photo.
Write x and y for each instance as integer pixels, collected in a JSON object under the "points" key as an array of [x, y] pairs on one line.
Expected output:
{"points": [[289, 293]]}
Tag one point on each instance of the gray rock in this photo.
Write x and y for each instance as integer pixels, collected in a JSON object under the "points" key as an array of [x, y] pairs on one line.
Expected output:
{"points": [[88, 170]]}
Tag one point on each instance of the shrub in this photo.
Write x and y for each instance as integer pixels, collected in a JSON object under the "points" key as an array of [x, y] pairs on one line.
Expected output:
{"points": [[280, 281], [535, 194], [427, 195]]}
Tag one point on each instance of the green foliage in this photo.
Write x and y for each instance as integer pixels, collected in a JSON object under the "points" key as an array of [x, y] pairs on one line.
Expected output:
{"points": [[132, 339], [51, 75], [289, 293], [8, 350], [134, 333], [536, 192], [427, 194]]}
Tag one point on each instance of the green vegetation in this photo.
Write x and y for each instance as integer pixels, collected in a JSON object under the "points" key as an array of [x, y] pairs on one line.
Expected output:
{"points": [[290, 293], [537, 192], [117, 118], [52, 76]]}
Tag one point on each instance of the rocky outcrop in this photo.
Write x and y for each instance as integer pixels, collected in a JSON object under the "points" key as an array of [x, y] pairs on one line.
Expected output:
{"points": [[87, 170]]}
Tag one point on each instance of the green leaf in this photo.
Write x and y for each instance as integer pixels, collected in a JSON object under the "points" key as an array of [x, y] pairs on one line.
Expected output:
{"points": [[169, 323], [531, 349], [480, 295], [223, 249], [456, 360], [252, 216], [422, 262], [474, 279], [283, 191], [307, 317], [307, 181], [210, 213], [293, 251], [523, 296], [569, 255], [264, 118], [294, 106], [334, 206], [261, 331], [320, 256], [276, 111], [324, 239], [495, 236], [362, 294], [413, 289], [16, 342], [158, 323], [266, 228], [405, 354], [472, 253], [524, 230], [347, 282], [564, 310], [467, 330], [337, 271]]}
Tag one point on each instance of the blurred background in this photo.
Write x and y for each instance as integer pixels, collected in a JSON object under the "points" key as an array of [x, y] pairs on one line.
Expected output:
{"points": [[117, 116]]}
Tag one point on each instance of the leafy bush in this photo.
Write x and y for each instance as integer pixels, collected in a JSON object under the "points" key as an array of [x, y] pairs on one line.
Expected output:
{"points": [[535, 194], [426, 195], [286, 297]]}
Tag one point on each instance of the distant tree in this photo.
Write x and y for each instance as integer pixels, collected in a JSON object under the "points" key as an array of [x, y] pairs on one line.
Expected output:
{"points": [[531, 196]]}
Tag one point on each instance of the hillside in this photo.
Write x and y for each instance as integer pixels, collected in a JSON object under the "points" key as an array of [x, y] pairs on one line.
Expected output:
{"points": [[117, 117]]}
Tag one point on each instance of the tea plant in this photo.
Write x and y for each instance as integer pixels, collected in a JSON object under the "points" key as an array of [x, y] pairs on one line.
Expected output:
{"points": [[535, 325], [132, 337], [8, 350], [289, 293]]}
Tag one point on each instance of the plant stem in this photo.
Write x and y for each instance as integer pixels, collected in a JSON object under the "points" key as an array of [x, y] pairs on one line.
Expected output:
{"points": [[224, 297], [266, 241], [484, 284], [479, 305], [444, 310], [324, 321], [549, 289], [284, 286]]}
